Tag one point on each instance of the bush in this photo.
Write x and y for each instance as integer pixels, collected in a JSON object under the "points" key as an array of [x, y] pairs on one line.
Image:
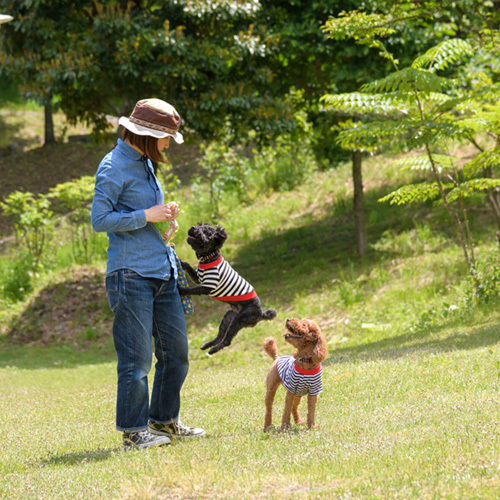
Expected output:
{"points": [[32, 220], [75, 199], [19, 281]]}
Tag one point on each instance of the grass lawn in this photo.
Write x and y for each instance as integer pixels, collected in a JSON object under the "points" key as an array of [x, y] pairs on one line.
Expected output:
{"points": [[416, 417], [410, 406]]}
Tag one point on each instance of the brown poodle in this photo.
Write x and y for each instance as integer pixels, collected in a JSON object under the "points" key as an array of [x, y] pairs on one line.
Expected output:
{"points": [[300, 373]]}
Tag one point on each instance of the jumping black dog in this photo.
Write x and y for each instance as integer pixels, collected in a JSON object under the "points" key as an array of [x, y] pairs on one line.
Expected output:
{"points": [[218, 279]]}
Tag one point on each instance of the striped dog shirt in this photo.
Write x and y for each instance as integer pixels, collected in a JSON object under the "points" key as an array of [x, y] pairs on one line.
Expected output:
{"points": [[225, 282], [298, 381]]}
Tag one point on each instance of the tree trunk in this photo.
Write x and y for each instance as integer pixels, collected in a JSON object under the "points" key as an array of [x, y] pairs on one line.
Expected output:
{"points": [[359, 204], [49, 123]]}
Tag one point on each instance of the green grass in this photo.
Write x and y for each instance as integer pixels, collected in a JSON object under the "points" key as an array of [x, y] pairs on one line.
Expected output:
{"points": [[410, 407], [417, 419]]}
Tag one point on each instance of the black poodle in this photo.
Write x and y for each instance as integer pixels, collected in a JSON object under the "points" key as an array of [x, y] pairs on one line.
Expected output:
{"points": [[218, 279]]}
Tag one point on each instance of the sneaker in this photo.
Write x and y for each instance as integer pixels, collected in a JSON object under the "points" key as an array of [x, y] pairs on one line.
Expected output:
{"points": [[176, 430], [143, 439]]}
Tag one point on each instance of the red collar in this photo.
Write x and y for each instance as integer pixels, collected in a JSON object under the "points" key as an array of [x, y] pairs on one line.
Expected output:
{"points": [[210, 264], [313, 371]]}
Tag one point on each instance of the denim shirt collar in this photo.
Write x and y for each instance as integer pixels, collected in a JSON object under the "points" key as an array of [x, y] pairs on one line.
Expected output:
{"points": [[129, 151]]}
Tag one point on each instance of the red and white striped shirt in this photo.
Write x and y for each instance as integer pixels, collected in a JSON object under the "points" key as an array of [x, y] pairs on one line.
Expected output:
{"points": [[225, 282], [297, 380]]}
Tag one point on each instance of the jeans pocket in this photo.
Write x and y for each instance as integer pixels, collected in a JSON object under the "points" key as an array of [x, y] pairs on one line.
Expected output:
{"points": [[112, 290]]}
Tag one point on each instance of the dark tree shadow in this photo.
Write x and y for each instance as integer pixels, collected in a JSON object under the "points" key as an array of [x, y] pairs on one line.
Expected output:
{"points": [[426, 341]]}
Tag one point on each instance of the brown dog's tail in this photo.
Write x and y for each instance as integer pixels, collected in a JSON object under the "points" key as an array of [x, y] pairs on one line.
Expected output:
{"points": [[271, 347]]}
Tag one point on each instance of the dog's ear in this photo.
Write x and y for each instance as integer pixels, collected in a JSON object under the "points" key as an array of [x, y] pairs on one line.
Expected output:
{"points": [[220, 235], [320, 351]]}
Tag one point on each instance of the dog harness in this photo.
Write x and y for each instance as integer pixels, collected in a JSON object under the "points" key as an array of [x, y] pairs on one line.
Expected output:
{"points": [[226, 283], [298, 381]]}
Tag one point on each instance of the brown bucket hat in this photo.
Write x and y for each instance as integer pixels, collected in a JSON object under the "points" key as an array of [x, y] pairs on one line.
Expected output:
{"points": [[154, 117]]}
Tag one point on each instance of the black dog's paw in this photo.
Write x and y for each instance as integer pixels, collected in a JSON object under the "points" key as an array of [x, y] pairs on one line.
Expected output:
{"points": [[183, 291], [206, 345], [215, 349]]}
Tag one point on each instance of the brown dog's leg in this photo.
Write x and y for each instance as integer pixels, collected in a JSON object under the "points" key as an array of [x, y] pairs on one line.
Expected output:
{"points": [[285, 421], [311, 411], [273, 381], [295, 411]]}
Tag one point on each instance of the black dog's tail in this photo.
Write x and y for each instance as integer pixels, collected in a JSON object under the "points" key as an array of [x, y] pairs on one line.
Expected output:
{"points": [[269, 314]]}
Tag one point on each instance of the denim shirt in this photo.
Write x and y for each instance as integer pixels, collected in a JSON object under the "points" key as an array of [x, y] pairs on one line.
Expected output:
{"points": [[125, 186]]}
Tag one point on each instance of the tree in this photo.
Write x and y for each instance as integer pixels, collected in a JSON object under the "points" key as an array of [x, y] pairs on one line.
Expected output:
{"points": [[427, 112], [217, 61], [422, 20]]}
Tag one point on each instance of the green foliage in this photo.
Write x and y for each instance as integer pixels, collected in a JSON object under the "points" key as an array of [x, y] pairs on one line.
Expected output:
{"points": [[168, 180], [413, 193], [32, 220], [407, 81], [229, 169], [224, 169], [472, 188], [415, 108], [483, 161], [486, 288], [75, 199], [448, 52], [284, 165], [214, 60], [18, 284], [441, 162]]}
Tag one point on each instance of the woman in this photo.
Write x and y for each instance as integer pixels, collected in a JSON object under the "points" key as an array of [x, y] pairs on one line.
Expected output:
{"points": [[141, 278]]}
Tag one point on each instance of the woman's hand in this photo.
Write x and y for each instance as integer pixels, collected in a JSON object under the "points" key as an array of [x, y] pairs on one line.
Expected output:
{"points": [[162, 213]]}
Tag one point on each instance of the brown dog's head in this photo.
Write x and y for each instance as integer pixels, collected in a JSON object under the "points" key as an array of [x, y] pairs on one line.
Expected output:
{"points": [[307, 338]]}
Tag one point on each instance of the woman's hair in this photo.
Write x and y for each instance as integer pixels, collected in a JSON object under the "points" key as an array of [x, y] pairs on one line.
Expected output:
{"points": [[147, 144]]}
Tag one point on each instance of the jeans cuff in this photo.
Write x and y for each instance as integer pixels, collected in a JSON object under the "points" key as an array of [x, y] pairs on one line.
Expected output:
{"points": [[165, 423], [132, 429]]}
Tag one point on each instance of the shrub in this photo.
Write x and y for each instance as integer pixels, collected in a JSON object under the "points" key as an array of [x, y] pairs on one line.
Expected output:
{"points": [[32, 220]]}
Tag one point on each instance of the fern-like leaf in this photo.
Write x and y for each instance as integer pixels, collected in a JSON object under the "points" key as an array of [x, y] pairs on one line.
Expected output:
{"points": [[484, 160], [443, 162], [472, 187], [359, 104], [442, 55], [361, 26], [373, 136], [407, 80], [431, 132], [412, 193]]}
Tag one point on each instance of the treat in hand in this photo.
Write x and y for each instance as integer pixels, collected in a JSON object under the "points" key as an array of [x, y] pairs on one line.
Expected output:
{"points": [[167, 229]]}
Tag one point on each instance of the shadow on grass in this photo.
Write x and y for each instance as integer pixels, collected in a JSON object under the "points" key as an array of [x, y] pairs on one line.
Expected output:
{"points": [[36, 357], [429, 341], [12, 141], [78, 458]]}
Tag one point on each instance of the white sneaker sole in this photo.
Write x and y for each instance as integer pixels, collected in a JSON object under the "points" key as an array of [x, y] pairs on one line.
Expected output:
{"points": [[176, 436]]}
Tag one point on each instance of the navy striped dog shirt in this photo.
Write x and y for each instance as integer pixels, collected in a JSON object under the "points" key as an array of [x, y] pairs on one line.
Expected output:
{"points": [[225, 282], [298, 381]]}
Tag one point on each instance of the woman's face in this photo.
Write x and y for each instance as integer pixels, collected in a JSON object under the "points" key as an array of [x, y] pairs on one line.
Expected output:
{"points": [[163, 143]]}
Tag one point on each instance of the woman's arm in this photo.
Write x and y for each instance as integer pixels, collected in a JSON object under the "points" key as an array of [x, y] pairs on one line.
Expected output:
{"points": [[104, 215]]}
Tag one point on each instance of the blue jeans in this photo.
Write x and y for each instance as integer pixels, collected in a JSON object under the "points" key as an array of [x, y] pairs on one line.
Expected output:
{"points": [[147, 308]]}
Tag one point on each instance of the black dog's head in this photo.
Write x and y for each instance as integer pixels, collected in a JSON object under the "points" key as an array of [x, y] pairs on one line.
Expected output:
{"points": [[205, 239]]}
